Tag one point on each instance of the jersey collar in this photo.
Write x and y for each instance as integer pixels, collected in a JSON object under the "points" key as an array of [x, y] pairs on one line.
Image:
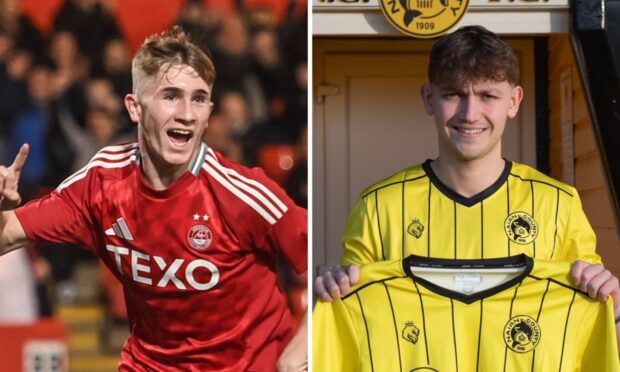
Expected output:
{"points": [[194, 166], [517, 261], [458, 198]]}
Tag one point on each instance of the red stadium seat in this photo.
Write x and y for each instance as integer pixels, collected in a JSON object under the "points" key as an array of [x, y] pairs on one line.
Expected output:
{"points": [[277, 160]]}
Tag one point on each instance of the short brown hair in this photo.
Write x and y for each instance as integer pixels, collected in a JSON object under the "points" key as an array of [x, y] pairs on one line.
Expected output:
{"points": [[173, 48], [472, 53]]}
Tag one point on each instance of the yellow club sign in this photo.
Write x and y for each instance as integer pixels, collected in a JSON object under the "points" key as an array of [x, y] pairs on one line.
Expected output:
{"points": [[423, 18]]}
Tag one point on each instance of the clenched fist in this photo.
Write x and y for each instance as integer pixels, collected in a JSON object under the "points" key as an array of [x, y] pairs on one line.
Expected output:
{"points": [[9, 178]]}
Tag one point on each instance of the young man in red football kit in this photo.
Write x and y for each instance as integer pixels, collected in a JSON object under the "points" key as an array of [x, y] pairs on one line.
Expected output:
{"points": [[191, 235]]}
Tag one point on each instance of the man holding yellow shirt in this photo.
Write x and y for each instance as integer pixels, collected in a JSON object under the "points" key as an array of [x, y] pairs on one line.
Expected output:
{"points": [[470, 203]]}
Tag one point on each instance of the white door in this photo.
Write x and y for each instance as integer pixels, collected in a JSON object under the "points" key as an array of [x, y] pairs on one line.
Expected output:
{"points": [[375, 125]]}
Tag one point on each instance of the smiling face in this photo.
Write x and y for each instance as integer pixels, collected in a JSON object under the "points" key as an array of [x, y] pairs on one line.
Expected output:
{"points": [[470, 119], [171, 110]]}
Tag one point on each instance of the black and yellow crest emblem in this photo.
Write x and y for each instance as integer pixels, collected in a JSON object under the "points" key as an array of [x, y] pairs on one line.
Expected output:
{"points": [[411, 332], [522, 333], [423, 18], [521, 228], [415, 228]]}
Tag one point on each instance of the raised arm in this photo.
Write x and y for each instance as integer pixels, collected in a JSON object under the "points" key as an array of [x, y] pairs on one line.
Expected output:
{"points": [[12, 234]]}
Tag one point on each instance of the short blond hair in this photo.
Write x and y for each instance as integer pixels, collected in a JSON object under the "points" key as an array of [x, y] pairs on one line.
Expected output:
{"points": [[170, 48]]}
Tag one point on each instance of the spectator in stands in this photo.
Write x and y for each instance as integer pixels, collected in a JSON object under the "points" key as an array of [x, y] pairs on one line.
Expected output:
{"points": [[231, 55], [15, 95], [101, 130], [293, 34], [262, 18], [219, 136], [117, 66], [23, 33], [6, 46], [92, 24], [30, 125], [271, 72], [201, 22], [70, 66], [13, 91], [70, 71], [234, 108], [100, 93]]}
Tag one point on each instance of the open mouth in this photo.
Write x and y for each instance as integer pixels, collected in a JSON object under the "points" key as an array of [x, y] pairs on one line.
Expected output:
{"points": [[179, 137]]}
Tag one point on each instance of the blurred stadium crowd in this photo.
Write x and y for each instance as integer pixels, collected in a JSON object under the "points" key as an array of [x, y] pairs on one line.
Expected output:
{"points": [[62, 89]]}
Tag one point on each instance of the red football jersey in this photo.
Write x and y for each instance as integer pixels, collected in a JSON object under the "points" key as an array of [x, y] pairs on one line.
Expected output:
{"points": [[197, 260]]}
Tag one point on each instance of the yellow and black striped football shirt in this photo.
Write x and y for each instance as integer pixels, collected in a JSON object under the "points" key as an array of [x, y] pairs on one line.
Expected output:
{"points": [[394, 320], [413, 212]]}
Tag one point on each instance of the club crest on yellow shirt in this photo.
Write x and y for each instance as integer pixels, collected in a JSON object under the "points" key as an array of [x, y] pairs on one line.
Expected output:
{"points": [[411, 332], [522, 333], [423, 18], [521, 228], [415, 228]]}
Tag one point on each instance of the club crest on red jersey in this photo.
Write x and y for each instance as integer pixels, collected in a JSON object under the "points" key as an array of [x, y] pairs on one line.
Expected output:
{"points": [[199, 237]]}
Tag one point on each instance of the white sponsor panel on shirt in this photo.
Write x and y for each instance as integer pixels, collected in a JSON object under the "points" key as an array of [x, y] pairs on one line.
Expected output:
{"points": [[141, 269]]}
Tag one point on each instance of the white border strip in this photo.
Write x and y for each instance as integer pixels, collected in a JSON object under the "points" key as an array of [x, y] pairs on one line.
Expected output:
{"points": [[99, 156], [245, 187], [84, 171], [265, 190], [218, 177]]}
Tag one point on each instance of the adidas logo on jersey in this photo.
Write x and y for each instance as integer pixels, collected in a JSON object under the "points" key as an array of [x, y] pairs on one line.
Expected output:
{"points": [[120, 229]]}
